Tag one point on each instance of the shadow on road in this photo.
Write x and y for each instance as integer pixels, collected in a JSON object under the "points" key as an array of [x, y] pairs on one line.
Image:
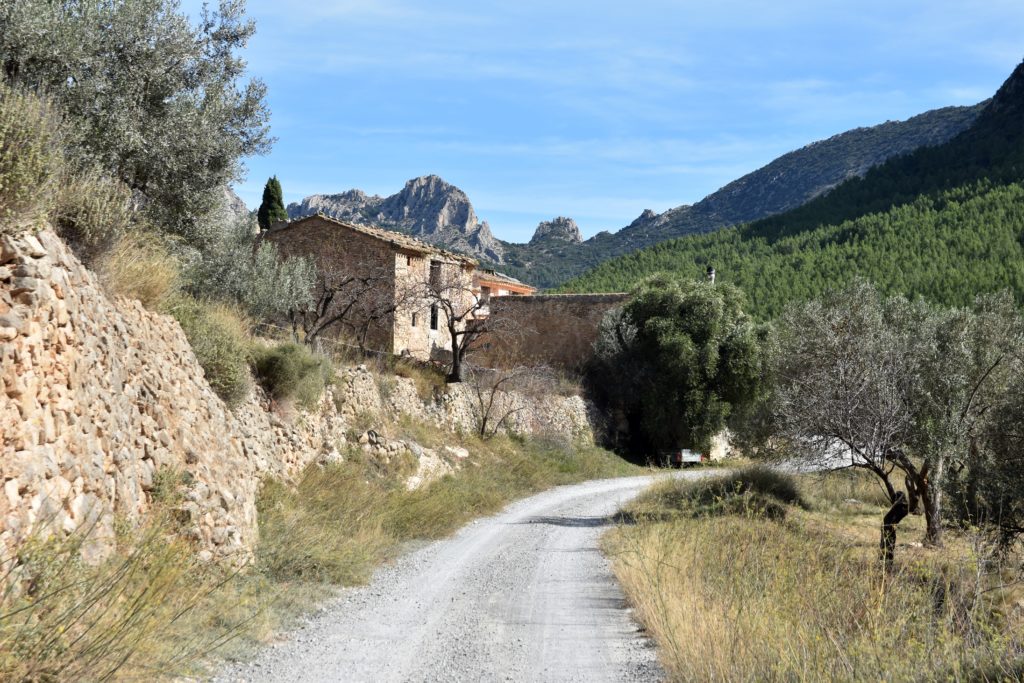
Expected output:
{"points": [[582, 522]]}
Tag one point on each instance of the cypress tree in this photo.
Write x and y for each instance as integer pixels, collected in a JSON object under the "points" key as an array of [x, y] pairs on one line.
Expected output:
{"points": [[272, 208]]}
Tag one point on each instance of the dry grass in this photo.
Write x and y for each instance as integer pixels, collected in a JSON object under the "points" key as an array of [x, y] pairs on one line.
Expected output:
{"points": [[741, 597], [135, 615], [139, 266], [429, 380], [341, 521], [152, 611]]}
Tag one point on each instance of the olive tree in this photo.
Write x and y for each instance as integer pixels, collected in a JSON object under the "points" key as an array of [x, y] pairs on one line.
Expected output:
{"points": [[239, 267], [675, 362], [898, 388], [160, 103]]}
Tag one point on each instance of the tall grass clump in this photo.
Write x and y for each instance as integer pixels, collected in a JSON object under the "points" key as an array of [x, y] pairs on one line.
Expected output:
{"points": [[754, 489], [328, 528], [292, 372], [139, 266], [739, 596], [219, 337], [31, 161], [134, 615]]}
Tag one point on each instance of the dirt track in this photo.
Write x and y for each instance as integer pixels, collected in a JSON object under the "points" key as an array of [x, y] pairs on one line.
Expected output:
{"points": [[521, 596]]}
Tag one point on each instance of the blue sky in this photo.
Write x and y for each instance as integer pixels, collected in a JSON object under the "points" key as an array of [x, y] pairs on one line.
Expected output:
{"points": [[598, 110]]}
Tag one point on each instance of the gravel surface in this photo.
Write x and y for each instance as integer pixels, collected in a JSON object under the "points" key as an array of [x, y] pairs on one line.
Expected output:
{"points": [[524, 595]]}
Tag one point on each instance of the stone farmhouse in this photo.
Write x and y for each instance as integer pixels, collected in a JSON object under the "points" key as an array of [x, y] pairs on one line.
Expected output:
{"points": [[378, 288], [382, 286]]}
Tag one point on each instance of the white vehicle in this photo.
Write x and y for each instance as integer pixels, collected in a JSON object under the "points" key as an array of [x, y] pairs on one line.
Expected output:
{"points": [[683, 457]]}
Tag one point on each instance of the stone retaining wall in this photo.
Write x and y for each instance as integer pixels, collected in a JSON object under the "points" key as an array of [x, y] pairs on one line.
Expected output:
{"points": [[99, 398]]}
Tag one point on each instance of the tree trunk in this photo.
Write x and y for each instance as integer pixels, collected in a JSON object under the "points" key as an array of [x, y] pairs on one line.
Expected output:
{"points": [[455, 375], [893, 517], [933, 516], [913, 495]]}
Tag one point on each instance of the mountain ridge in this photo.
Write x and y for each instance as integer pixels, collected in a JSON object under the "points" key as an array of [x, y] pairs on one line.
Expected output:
{"points": [[944, 222], [438, 212]]}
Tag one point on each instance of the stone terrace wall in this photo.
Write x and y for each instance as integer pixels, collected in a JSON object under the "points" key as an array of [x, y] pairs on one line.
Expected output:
{"points": [[99, 397], [550, 329]]}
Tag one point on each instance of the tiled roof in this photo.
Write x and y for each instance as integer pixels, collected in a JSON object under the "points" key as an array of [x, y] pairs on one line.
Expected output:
{"points": [[393, 238], [495, 276]]}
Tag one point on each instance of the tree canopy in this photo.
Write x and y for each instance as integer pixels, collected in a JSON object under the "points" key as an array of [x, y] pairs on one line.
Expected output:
{"points": [[896, 386], [675, 361], [158, 102]]}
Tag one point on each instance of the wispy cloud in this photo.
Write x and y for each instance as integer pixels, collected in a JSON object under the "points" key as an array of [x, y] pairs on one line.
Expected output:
{"points": [[595, 108]]}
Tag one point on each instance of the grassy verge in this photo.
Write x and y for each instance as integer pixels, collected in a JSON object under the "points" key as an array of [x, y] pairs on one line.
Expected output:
{"points": [[342, 521], [150, 610], [736, 581]]}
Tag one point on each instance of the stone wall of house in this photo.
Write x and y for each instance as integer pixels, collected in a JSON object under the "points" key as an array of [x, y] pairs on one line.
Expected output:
{"points": [[101, 400], [551, 329], [359, 267], [413, 333]]}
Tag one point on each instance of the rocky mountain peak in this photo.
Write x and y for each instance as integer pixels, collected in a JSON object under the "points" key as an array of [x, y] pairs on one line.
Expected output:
{"points": [[432, 205], [427, 207], [561, 228]]}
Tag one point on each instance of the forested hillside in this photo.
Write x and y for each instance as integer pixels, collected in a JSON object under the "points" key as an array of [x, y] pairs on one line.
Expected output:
{"points": [[944, 222], [785, 183]]}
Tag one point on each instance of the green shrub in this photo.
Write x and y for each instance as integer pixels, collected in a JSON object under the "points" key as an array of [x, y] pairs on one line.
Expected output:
{"points": [[243, 269], [757, 489], [292, 372], [30, 158], [92, 211], [220, 339]]}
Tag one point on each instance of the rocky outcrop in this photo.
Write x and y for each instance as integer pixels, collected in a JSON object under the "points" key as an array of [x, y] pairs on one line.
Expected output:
{"points": [[234, 206], [103, 406], [560, 229], [429, 208]]}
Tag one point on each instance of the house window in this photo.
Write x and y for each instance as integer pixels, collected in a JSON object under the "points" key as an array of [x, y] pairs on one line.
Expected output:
{"points": [[408, 260], [485, 294], [414, 317], [433, 317], [435, 273]]}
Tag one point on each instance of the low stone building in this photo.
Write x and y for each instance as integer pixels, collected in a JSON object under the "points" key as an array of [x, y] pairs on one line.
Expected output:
{"points": [[488, 283], [376, 288]]}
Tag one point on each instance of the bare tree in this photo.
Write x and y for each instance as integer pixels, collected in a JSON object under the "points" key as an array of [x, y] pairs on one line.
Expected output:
{"points": [[353, 304], [447, 290], [495, 408], [493, 387]]}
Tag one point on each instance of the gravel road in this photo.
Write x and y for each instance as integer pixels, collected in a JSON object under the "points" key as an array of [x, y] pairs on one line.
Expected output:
{"points": [[524, 595]]}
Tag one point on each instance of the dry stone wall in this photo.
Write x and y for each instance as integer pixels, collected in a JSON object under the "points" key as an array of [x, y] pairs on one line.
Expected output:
{"points": [[101, 399], [99, 396]]}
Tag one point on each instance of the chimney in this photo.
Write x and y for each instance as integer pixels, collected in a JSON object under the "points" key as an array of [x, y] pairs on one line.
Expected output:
{"points": [[711, 274]]}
